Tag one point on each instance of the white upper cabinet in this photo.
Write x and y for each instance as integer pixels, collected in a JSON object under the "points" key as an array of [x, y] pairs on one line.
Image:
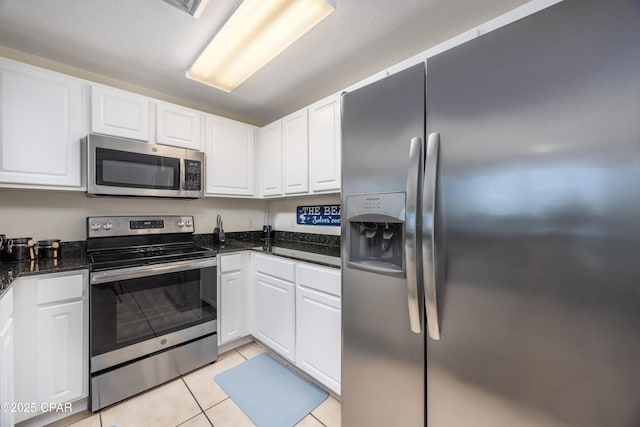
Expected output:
{"points": [[300, 153], [229, 150], [271, 159], [178, 126], [119, 113], [295, 147], [325, 145], [40, 127]]}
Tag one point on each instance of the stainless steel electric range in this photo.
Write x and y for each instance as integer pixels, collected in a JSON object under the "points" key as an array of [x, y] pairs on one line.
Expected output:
{"points": [[153, 308]]}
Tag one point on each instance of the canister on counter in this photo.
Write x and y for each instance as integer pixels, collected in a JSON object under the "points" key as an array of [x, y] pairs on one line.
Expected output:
{"points": [[3, 248], [49, 249], [20, 249]]}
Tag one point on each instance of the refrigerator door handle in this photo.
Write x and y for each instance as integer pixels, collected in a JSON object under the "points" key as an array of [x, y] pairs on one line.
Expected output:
{"points": [[415, 179], [428, 235]]}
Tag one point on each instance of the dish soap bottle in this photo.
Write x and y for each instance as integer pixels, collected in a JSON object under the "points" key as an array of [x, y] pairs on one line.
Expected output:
{"points": [[266, 228]]}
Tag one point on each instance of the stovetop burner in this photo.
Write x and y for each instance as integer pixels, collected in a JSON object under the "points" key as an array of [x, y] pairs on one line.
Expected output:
{"points": [[118, 242], [146, 255]]}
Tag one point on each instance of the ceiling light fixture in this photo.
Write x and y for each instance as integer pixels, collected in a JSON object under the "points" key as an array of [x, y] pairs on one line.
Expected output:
{"points": [[255, 34]]}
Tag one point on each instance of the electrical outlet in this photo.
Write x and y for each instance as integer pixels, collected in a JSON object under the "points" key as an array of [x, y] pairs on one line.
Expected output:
{"points": [[293, 222], [250, 222]]}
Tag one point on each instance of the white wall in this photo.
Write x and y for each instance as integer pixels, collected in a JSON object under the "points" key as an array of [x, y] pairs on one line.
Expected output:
{"points": [[283, 213], [62, 215]]}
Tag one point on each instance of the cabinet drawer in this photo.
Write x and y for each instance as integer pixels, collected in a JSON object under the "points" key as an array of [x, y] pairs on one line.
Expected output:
{"points": [[59, 289], [275, 267], [319, 278], [230, 263]]}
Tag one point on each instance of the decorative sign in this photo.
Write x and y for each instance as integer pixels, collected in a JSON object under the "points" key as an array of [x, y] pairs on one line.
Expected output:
{"points": [[318, 215]]}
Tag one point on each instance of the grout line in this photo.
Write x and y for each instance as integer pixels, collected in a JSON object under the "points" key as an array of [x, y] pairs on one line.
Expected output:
{"points": [[186, 421], [192, 395], [317, 419], [207, 417]]}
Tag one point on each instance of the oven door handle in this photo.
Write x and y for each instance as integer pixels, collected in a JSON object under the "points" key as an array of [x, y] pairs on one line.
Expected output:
{"points": [[100, 277]]}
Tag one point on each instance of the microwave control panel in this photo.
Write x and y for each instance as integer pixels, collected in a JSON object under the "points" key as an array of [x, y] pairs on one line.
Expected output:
{"points": [[192, 175]]}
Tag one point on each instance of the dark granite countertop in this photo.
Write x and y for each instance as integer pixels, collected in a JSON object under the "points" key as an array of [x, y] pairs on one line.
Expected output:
{"points": [[315, 248], [302, 251], [74, 255], [9, 271]]}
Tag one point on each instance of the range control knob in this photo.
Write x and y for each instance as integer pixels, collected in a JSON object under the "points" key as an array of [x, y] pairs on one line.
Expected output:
{"points": [[107, 226], [96, 226], [188, 223], [180, 224]]}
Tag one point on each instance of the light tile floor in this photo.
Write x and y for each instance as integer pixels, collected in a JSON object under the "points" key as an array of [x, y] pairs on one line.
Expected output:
{"points": [[194, 400]]}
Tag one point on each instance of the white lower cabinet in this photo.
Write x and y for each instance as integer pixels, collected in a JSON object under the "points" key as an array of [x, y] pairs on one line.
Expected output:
{"points": [[60, 332], [292, 307], [233, 308], [51, 337], [275, 317], [318, 323], [6, 357]]}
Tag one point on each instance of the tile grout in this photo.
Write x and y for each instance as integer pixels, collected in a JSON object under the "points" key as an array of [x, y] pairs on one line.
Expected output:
{"points": [[197, 403], [191, 393], [317, 419]]}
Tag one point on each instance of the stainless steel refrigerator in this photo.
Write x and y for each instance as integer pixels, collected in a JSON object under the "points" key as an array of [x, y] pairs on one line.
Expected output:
{"points": [[491, 230]]}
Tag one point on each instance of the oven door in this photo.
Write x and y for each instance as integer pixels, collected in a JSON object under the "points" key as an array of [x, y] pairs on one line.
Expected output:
{"points": [[138, 311]]}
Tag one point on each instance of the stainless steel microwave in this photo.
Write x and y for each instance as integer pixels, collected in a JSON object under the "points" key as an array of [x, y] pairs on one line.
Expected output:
{"points": [[123, 167]]}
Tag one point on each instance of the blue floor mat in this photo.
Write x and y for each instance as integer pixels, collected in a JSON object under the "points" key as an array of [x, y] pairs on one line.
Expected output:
{"points": [[270, 393]]}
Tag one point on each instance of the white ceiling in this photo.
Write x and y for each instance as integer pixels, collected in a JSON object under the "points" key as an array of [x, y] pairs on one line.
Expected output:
{"points": [[150, 43]]}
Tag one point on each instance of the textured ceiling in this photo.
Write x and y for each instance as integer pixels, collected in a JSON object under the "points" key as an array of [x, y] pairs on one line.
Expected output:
{"points": [[150, 43]]}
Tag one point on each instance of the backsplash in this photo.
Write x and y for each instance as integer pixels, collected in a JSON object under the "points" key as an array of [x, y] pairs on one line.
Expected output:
{"points": [[318, 239], [280, 236]]}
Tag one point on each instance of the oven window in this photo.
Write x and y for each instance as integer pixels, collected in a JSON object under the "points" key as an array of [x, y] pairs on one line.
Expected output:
{"points": [[131, 311], [125, 169]]}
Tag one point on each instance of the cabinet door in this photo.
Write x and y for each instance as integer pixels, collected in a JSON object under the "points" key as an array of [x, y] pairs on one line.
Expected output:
{"points": [[178, 126], [271, 159], [229, 150], [40, 125], [318, 336], [232, 307], [59, 352], [324, 145], [119, 113], [6, 372], [295, 146], [274, 301]]}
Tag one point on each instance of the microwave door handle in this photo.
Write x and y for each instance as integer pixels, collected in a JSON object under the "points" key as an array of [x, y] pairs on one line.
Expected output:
{"points": [[182, 174], [149, 270]]}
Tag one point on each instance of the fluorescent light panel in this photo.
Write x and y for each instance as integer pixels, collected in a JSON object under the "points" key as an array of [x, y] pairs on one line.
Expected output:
{"points": [[255, 34]]}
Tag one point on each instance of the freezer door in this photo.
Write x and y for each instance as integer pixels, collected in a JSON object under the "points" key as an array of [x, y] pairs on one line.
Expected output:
{"points": [[382, 316], [538, 202]]}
